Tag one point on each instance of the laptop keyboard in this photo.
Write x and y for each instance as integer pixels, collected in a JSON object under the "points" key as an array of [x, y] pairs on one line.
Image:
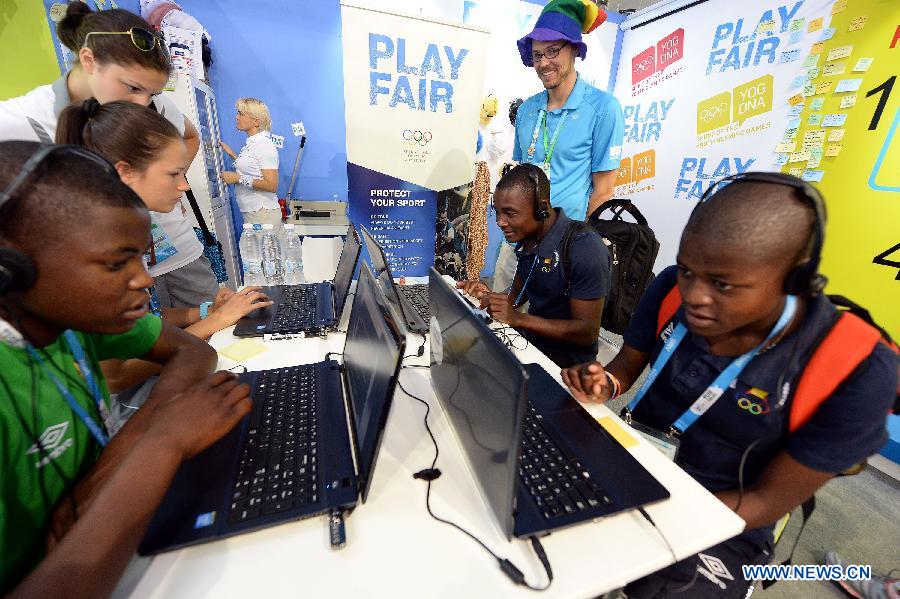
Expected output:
{"points": [[278, 470], [296, 311], [558, 484], [418, 297]]}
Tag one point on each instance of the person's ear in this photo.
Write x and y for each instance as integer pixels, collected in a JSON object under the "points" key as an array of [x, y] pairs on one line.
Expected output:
{"points": [[87, 60], [127, 173]]}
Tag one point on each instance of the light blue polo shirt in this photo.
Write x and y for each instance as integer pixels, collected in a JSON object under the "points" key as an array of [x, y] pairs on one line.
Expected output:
{"points": [[590, 141]]}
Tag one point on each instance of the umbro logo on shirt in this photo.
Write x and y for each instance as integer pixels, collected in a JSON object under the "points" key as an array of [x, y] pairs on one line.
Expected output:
{"points": [[52, 442]]}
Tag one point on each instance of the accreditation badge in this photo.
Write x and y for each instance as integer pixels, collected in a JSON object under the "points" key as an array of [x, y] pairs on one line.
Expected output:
{"points": [[667, 443]]}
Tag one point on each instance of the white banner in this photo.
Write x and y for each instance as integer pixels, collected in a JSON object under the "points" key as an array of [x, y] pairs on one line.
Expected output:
{"points": [[412, 90], [709, 92]]}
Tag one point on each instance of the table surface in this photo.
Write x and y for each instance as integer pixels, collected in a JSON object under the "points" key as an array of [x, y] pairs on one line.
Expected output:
{"points": [[394, 549]]}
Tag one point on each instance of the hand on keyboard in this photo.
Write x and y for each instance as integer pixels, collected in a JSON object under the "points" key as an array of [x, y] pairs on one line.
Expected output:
{"points": [[192, 421], [229, 308], [588, 382], [476, 289]]}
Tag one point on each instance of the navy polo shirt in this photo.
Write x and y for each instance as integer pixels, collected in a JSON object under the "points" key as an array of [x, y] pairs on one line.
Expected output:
{"points": [[545, 288], [849, 427]]}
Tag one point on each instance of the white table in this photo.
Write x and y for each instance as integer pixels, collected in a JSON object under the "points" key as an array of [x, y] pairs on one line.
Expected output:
{"points": [[394, 549]]}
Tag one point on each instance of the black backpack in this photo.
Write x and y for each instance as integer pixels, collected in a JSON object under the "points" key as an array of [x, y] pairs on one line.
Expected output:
{"points": [[633, 248]]}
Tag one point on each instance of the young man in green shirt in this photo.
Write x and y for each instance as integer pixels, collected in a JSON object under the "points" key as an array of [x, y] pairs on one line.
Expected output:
{"points": [[73, 291]]}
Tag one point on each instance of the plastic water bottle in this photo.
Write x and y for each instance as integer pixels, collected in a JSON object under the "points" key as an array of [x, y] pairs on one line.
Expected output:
{"points": [[293, 256], [272, 265], [251, 256]]}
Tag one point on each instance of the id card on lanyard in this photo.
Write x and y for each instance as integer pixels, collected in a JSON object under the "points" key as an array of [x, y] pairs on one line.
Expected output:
{"points": [[97, 431], [668, 442], [540, 127]]}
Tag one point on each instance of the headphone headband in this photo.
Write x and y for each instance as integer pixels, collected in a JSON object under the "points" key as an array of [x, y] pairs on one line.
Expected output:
{"points": [[803, 279], [38, 158], [541, 209]]}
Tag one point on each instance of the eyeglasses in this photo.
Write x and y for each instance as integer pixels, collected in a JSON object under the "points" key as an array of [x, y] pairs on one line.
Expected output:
{"points": [[549, 53], [143, 39], [40, 156]]}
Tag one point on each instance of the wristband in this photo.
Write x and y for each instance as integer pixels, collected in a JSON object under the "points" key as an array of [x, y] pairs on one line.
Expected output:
{"points": [[617, 387], [246, 181], [204, 309]]}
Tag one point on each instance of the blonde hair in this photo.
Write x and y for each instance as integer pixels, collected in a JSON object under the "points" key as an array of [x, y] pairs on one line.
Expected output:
{"points": [[256, 109]]}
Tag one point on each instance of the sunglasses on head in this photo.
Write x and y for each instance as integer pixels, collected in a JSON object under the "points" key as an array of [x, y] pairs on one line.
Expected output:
{"points": [[143, 39]]}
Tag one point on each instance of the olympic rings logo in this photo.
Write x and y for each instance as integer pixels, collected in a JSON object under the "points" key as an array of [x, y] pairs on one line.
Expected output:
{"points": [[751, 406], [707, 114], [417, 138]]}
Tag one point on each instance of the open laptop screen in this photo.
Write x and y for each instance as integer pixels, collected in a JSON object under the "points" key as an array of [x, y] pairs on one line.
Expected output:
{"points": [[372, 353], [382, 272], [344, 273], [481, 387]]}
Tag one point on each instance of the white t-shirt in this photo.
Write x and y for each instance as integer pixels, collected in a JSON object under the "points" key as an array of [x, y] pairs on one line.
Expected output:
{"points": [[34, 116], [258, 153]]}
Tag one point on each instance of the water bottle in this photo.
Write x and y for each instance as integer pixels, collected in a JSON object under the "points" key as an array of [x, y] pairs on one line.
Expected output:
{"points": [[272, 265], [293, 256], [250, 256]]}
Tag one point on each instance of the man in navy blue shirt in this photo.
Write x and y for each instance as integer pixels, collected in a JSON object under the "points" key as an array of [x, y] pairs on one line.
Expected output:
{"points": [[565, 301], [732, 425]]}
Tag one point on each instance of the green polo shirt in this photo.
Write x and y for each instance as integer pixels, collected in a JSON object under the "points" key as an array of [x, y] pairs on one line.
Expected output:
{"points": [[32, 407]]}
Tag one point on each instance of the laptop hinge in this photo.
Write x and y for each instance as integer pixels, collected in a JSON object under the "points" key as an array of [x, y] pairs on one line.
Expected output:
{"points": [[351, 429]]}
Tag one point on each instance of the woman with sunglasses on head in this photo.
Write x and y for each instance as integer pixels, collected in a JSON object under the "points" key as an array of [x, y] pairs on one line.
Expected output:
{"points": [[151, 158], [119, 58], [256, 179]]}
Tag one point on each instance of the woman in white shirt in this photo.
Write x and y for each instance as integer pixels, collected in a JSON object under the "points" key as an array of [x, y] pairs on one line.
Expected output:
{"points": [[119, 58], [256, 179]]}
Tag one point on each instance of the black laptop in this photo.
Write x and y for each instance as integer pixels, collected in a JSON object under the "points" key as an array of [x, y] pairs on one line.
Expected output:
{"points": [[541, 461], [293, 456], [409, 300], [308, 309]]}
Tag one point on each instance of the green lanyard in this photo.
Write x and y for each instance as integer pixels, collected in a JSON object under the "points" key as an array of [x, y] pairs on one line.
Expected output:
{"points": [[549, 146]]}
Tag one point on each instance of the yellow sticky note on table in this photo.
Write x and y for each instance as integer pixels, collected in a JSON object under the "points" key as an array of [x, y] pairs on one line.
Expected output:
{"points": [[795, 99], [836, 135], [786, 146], [858, 23], [799, 156], [796, 171], [618, 433], [814, 25], [848, 101], [817, 48], [833, 149], [243, 350], [838, 6]]}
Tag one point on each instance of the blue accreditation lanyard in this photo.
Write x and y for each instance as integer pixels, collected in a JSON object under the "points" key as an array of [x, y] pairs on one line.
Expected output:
{"points": [[722, 382], [93, 385], [525, 284]]}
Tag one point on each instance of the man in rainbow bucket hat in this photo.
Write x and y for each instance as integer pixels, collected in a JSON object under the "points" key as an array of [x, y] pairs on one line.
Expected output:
{"points": [[572, 130]]}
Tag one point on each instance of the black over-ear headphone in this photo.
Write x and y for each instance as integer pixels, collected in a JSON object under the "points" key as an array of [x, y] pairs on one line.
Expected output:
{"points": [[541, 209], [17, 270], [803, 279]]}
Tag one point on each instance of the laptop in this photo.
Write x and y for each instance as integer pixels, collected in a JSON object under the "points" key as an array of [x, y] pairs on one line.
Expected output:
{"points": [[541, 461], [295, 455], [308, 309], [409, 300]]}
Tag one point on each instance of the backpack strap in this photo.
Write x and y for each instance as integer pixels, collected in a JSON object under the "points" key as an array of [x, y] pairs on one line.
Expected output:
{"points": [[847, 344], [574, 229], [668, 308]]}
